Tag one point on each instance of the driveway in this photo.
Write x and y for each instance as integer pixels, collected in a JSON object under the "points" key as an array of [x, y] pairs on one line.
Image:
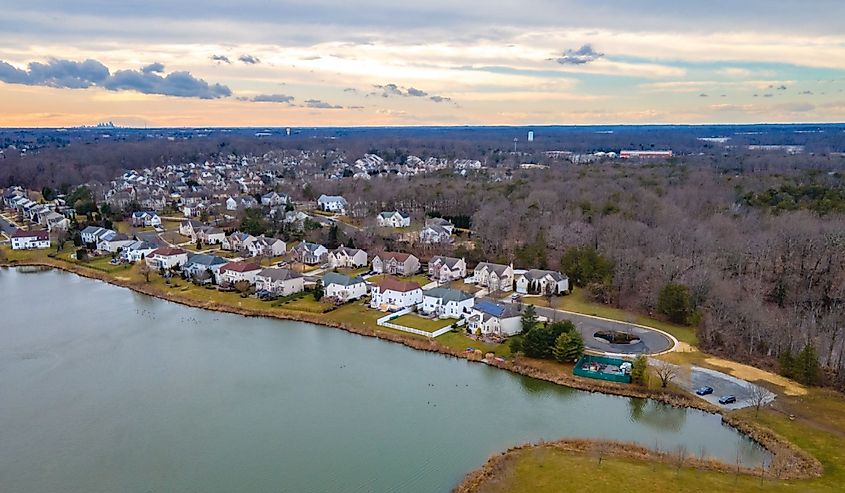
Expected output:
{"points": [[652, 341]]}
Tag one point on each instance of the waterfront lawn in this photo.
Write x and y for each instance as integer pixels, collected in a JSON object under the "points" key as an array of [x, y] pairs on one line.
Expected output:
{"points": [[356, 314], [308, 304], [460, 341], [425, 324], [819, 428], [577, 302]]}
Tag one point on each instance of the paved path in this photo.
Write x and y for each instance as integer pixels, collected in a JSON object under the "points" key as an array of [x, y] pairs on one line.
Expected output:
{"points": [[723, 384], [652, 341]]}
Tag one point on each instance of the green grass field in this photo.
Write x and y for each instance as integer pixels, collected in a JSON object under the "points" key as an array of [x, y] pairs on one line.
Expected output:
{"points": [[421, 279], [416, 322]]}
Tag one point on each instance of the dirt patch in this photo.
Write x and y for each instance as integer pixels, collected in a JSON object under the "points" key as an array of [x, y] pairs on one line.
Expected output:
{"points": [[752, 374]]}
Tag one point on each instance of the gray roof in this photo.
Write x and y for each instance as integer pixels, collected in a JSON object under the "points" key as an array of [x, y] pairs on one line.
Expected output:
{"points": [[448, 294], [331, 198], [499, 269], [447, 261], [206, 260], [343, 280], [535, 274], [278, 274]]}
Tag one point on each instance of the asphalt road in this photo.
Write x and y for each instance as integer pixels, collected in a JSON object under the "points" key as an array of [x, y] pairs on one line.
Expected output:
{"points": [[651, 341], [722, 384]]}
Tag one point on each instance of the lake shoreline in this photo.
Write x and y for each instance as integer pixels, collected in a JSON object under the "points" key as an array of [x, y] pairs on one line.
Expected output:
{"points": [[800, 465]]}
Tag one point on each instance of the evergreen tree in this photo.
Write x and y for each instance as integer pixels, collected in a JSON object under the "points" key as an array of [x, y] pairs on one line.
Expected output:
{"points": [[639, 369], [569, 346], [318, 290], [584, 265], [529, 318], [675, 302]]}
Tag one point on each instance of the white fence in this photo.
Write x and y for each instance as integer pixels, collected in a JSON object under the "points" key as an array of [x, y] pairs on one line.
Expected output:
{"points": [[385, 322]]}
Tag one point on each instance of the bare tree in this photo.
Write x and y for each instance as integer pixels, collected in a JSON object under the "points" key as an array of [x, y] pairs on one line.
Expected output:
{"points": [[759, 396], [145, 270], [666, 372], [599, 449]]}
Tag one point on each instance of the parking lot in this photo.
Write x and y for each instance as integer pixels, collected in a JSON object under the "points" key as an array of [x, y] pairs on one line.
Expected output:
{"points": [[722, 384]]}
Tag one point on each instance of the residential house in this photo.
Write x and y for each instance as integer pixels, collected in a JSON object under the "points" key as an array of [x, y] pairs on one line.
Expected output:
{"points": [[489, 317], [310, 253], [437, 230], [446, 303], [190, 227], [55, 221], [29, 240], [202, 262], [91, 234], [347, 258], [394, 219], [231, 204], [137, 250], [402, 264], [262, 245], [494, 277], [237, 241], [113, 242], [390, 294], [282, 282], [295, 219], [233, 272], [145, 218], [536, 281], [332, 203], [167, 258], [273, 199], [211, 235], [343, 288], [445, 269]]}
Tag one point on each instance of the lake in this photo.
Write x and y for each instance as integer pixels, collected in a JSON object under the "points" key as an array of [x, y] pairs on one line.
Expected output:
{"points": [[104, 390]]}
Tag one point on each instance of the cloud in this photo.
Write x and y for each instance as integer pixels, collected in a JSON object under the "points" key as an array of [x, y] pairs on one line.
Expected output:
{"points": [[316, 103], [249, 59], [390, 90], [153, 68], [69, 74], [270, 98], [221, 58], [584, 54]]}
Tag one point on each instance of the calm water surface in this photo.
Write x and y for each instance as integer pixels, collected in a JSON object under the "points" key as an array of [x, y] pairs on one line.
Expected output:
{"points": [[106, 390]]}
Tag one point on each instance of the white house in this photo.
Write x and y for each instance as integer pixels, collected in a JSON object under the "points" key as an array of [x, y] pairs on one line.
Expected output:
{"points": [[343, 288], [392, 294], [167, 258], [113, 242], [282, 282], [272, 199], [445, 269], [437, 230], [310, 253], [263, 245], [493, 318], [403, 264], [536, 281], [447, 303], [145, 218], [137, 250], [332, 203], [202, 262], [347, 258], [231, 204], [190, 227], [92, 234], [494, 277], [236, 241], [238, 271], [28, 240], [393, 219]]}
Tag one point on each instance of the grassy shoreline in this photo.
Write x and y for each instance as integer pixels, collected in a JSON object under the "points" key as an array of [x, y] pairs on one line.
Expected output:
{"points": [[358, 320]]}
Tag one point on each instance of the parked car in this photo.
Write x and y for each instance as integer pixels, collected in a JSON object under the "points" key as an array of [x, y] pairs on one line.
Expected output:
{"points": [[704, 390], [265, 295], [727, 399]]}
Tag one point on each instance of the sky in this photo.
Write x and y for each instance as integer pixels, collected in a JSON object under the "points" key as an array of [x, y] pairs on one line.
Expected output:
{"points": [[439, 62]]}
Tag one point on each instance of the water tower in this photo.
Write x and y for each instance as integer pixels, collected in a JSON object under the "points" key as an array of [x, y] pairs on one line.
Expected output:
{"points": [[530, 136]]}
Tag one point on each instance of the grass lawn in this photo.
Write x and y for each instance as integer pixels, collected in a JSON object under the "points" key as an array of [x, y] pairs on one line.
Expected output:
{"points": [[353, 272], [460, 341], [356, 314], [306, 304], [416, 322], [577, 302], [421, 279]]}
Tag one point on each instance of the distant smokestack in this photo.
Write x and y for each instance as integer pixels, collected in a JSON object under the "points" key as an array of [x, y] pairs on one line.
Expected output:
{"points": [[530, 136]]}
